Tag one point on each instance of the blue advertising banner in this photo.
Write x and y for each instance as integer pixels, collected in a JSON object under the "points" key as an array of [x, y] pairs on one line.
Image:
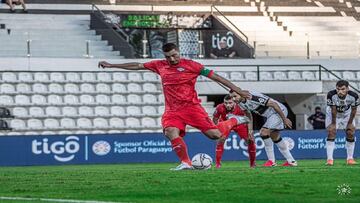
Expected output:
{"points": [[150, 147]]}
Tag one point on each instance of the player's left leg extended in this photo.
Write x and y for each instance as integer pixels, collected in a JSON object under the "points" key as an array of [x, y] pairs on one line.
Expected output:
{"points": [[283, 148], [350, 145]]}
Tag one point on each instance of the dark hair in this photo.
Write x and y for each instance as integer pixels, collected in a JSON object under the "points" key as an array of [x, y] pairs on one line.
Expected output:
{"points": [[227, 97], [168, 47], [341, 83], [318, 107]]}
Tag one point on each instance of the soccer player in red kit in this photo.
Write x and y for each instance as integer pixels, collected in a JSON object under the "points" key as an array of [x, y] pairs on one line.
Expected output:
{"points": [[182, 105], [245, 131]]}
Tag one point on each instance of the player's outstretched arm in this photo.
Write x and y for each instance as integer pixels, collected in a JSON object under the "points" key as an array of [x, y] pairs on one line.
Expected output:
{"points": [[217, 78], [126, 66], [276, 107]]}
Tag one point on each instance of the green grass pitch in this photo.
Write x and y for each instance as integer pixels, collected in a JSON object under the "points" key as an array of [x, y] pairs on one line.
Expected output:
{"points": [[311, 181]]}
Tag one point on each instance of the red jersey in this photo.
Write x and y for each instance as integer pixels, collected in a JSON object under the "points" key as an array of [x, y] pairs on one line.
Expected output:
{"points": [[221, 112], [178, 81]]}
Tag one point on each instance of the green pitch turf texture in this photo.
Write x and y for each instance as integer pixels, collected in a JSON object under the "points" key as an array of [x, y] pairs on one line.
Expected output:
{"points": [[311, 181]]}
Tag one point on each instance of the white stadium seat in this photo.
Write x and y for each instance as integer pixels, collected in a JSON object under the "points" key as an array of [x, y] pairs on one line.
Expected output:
{"points": [[36, 111], [134, 87], [117, 111], [348, 75], [17, 124], [23, 88], [88, 77], [86, 99], [119, 77], [102, 88], [129, 131], [118, 88], [22, 100], [71, 88], [133, 110], [83, 123], [57, 77], [9, 77], [116, 123], [87, 88], [250, 75], [264, 75], [324, 75], [161, 98], [86, 111], [118, 99], [51, 123], [41, 77], [102, 99], [69, 111], [149, 87], [236, 76], [149, 76], [161, 109], [134, 76], [358, 75], [39, 88], [71, 99], [114, 131], [308, 75], [132, 122], [100, 123], [25, 77], [55, 88], [19, 112], [38, 99], [104, 77], [72, 77], [149, 110], [149, 99], [65, 132], [337, 73], [82, 132], [133, 99], [67, 123], [52, 111], [148, 122], [280, 75], [48, 133], [97, 132], [34, 124], [6, 100], [54, 99], [32, 133], [7, 88], [223, 74], [102, 111]]}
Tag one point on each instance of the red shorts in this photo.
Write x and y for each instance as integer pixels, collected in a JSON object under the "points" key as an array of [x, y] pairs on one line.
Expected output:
{"points": [[242, 131], [193, 115]]}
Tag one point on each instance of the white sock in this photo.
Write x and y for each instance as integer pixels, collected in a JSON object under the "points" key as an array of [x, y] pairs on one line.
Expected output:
{"points": [[330, 146], [269, 149], [350, 149], [283, 147]]}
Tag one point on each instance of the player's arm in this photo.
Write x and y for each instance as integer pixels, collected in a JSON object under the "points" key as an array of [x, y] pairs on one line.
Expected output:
{"points": [[126, 66], [311, 119], [217, 78], [276, 107]]}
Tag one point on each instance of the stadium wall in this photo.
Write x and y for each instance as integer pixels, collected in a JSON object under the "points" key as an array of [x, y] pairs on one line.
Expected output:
{"points": [[145, 148]]}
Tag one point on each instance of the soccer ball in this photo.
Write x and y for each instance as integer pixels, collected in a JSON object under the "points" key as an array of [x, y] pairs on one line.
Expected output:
{"points": [[201, 161]]}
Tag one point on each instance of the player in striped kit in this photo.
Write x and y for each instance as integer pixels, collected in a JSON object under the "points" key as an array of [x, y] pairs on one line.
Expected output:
{"points": [[340, 113], [275, 114]]}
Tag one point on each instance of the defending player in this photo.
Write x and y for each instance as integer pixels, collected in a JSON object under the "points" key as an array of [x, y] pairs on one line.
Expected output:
{"points": [[182, 105], [245, 131], [340, 113], [275, 114]]}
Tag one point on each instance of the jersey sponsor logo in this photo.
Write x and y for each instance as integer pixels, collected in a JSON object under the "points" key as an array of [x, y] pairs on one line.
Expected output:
{"points": [[329, 102], [63, 151], [181, 69]]}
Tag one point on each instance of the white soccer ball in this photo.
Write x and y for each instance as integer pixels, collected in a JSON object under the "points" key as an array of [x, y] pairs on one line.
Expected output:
{"points": [[201, 161]]}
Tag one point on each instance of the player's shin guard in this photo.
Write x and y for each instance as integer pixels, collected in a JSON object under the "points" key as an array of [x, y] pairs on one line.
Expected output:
{"points": [[226, 126], [219, 152], [252, 153], [330, 146], [269, 147], [180, 148], [350, 146], [283, 148]]}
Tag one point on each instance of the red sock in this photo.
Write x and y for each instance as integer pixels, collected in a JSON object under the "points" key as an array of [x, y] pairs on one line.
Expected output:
{"points": [[180, 148], [252, 152], [226, 126], [219, 152]]}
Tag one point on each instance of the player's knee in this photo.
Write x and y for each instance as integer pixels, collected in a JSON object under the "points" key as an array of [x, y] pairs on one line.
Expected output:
{"points": [[171, 132]]}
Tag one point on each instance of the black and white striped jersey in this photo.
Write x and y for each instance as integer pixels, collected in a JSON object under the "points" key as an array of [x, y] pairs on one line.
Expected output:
{"points": [[256, 104], [343, 104]]}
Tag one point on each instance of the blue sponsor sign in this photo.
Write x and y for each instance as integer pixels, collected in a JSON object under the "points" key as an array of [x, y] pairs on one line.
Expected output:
{"points": [[150, 147]]}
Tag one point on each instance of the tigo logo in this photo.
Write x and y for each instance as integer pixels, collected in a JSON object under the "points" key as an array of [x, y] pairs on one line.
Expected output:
{"points": [[63, 151]]}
